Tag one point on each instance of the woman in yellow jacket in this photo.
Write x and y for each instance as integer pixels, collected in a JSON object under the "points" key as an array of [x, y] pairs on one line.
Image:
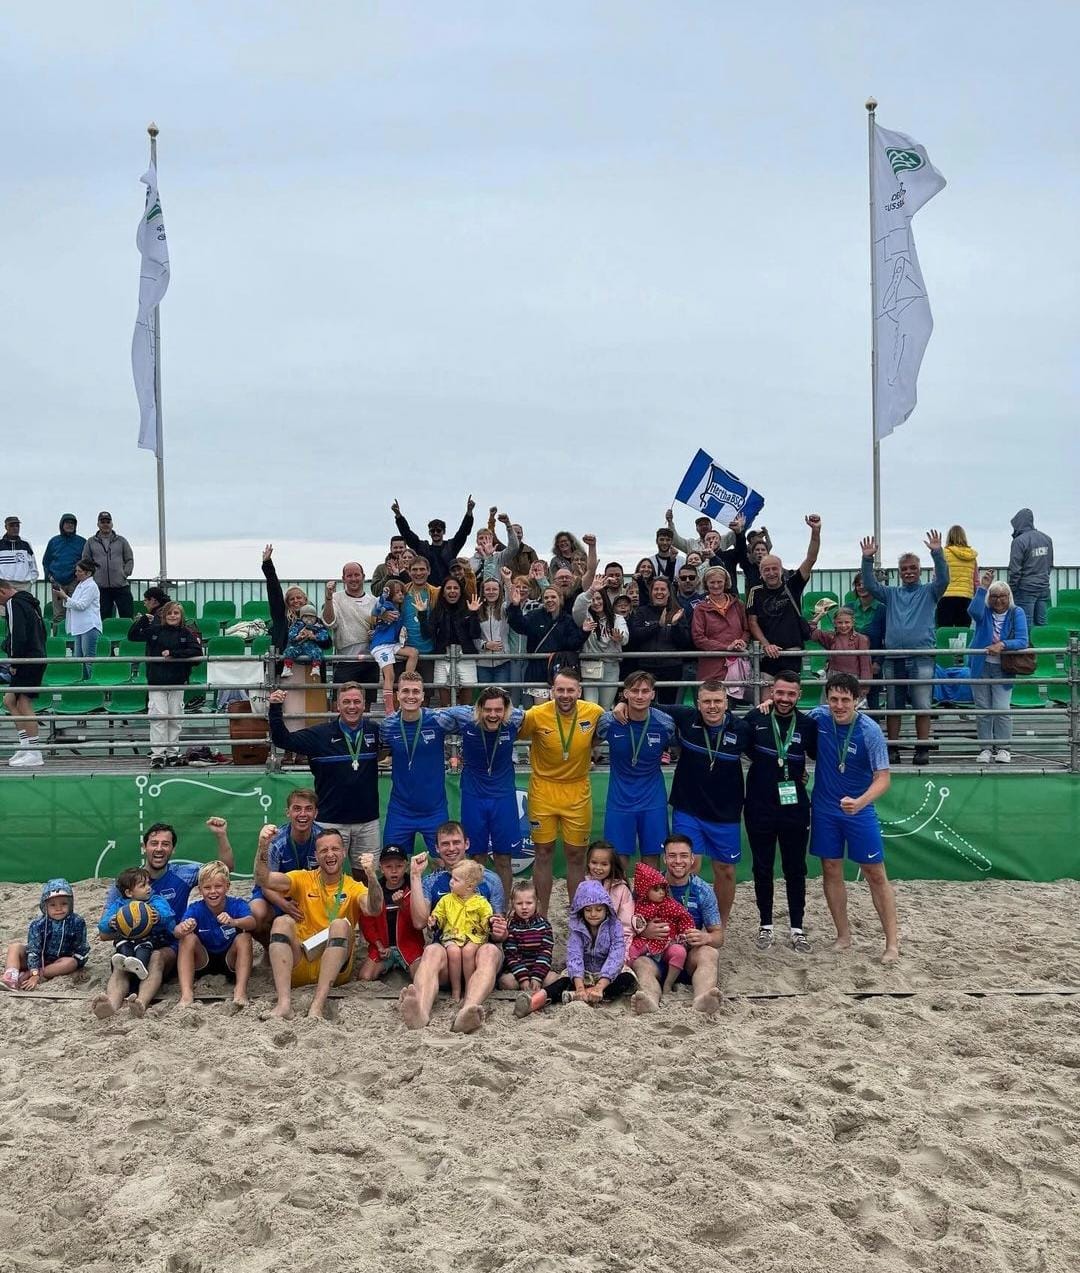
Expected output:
{"points": [[952, 606]]}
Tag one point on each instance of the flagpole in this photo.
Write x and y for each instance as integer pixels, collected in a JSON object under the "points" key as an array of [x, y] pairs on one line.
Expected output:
{"points": [[159, 447], [871, 107]]}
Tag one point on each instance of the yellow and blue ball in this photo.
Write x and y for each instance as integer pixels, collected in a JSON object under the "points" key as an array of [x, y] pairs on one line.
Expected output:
{"points": [[135, 920]]}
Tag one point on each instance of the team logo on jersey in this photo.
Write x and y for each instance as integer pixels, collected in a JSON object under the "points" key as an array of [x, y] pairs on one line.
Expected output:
{"points": [[584, 726]]}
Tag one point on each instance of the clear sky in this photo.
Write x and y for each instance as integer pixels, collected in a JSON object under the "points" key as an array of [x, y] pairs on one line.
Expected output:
{"points": [[541, 252]]}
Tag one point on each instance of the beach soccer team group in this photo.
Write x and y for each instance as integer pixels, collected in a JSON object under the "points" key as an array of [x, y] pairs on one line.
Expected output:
{"points": [[332, 879]]}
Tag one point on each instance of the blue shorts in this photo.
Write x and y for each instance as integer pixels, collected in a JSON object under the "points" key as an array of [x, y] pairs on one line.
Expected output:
{"points": [[721, 841], [684, 978], [492, 824], [402, 827], [636, 830], [860, 832]]}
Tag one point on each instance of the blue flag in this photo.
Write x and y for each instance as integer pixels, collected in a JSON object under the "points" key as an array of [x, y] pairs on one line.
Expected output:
{"points": [[717, 493]]}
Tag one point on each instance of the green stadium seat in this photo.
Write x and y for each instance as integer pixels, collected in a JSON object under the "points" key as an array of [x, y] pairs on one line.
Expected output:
{"points": [[109, 674], [217, 615], [260, 646], [78, 701], [69, 672], [810, 599], [1032, 691], [126, 702], [223, 646], [1068, 597], [953, 640], [115, 629], [256, 608], [1064, 617], [1049, 636]]}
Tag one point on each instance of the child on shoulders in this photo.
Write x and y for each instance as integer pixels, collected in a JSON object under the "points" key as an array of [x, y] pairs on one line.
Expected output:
{"points": [[389, 638], [56, 943], [463, 921]]}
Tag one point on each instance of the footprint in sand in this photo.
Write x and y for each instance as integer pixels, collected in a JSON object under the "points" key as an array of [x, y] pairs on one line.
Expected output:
{"points": [[609, 1119]]}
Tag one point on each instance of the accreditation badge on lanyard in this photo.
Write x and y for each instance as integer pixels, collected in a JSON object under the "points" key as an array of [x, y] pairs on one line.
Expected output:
{"points": [[786, 790]]}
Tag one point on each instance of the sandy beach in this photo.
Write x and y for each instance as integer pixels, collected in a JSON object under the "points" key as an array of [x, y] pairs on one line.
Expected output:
{"points": [[820, 1131]]}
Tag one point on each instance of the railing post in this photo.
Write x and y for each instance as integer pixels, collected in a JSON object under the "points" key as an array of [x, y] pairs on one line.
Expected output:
{"points": [[755, 673]]}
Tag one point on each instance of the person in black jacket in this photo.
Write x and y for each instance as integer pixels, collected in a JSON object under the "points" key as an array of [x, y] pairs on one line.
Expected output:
{"points": [[166, 638], [25, 640], [659, 626], [440, 551], [453, 620], [549, 632]]}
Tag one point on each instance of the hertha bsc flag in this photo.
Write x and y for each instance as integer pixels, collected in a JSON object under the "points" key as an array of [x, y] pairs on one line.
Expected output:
{"points": [[714, 492], [903, 179], [153, 283]]}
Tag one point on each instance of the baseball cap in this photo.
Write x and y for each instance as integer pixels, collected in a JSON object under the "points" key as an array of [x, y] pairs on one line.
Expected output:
{"points": [[393, 851], [13, 518], [104, 517]]}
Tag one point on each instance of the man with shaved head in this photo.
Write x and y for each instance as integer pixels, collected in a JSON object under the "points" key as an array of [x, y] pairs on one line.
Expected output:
{"points": [[348, 615], [773, 608]]}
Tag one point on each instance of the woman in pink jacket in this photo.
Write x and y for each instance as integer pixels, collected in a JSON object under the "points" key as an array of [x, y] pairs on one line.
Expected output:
{"points": [[719, 623]]}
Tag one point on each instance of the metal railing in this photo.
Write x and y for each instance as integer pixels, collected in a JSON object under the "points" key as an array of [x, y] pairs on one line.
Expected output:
{"points": [[1057, 718]]}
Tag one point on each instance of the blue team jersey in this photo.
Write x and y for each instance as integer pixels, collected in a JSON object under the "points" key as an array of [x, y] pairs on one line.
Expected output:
{"points": [[437, 885], [174, 885], [216, 938], [866, 753], [637, 779], [418, 763], [487, 757], [285, 855], [699, 900]]}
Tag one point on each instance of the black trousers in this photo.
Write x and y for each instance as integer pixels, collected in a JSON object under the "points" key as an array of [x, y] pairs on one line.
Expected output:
{"points": [[793, 840], [623, 984], [117, 601]]}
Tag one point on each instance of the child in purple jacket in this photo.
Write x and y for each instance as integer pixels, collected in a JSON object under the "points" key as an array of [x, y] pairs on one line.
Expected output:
{"points": [[595, 954]]}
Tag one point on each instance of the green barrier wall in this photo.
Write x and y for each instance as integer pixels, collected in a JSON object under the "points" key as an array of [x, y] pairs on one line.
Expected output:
{"points": [[958, 827]]}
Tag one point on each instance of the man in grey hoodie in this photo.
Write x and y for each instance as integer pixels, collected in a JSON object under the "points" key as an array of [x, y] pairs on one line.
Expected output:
{"points": [[1030, 564], [909, 625]]}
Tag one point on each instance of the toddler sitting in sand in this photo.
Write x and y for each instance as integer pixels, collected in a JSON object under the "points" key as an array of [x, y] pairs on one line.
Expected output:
{"points": [[463, 920], [56, 944]]}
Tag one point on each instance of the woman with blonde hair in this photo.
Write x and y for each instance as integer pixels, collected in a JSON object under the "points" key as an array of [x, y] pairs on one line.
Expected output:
{"points": [[719, 623], [962, 560]]}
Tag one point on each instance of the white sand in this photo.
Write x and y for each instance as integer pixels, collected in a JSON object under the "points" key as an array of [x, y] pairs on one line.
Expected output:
{"points": [[938, 1133]]}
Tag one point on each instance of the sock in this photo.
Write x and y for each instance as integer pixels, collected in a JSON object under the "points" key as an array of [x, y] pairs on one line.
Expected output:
{"points": [[768, 927], [24, 737], [795, 931]]}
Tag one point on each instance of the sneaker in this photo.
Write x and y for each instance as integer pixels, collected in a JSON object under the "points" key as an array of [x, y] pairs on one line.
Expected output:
{"points": [[922, 756], [134, 964], [174, 762], [157, 762], [568, 996], [1002, 756], [286, 672], [800, 943], [984, 757], [894, 755], [16, 758], [764, 937], [10, 979], [27, 760], [315, 674], [119, 962]]}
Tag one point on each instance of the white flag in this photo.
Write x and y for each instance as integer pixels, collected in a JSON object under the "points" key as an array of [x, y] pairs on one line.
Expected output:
{"points": [[153, 284], [903, 179]]}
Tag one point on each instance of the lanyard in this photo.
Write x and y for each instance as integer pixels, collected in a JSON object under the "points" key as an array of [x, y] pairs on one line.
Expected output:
{"points": [[353, 744], [410, 748], [489, 756], [339, 897], [841, 759], [566, 739], [637, 744], [712, 748], [783, 746]]}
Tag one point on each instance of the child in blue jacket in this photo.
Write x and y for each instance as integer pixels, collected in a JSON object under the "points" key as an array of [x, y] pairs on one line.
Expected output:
{"points": [[56, 944], [135, 885]]}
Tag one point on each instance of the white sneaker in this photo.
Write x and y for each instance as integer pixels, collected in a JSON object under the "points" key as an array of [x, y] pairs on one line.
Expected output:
{"points": [[28, 760], [984, 757], [16, 758], [286, 672], [1002, 756]]}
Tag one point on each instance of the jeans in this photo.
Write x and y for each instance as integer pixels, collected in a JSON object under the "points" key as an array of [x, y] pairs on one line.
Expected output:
{"points": [[86, 646], [1034, 607], [917, 668], [993, 729], [496, 675]]}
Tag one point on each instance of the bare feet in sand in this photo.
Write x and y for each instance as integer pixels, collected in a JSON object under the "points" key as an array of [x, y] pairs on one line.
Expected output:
{"points": [[841, 944], [136, 1007], [185, 1003], [282, 1011], [891, 955], [409, 1007], [101, 1007], [709, 1002], [468, 1020], [641, 1003], [236, 1006]]}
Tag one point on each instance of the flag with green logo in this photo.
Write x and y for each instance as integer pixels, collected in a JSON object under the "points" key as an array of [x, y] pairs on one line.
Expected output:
{"points": [[903, 179], [153, 283]]}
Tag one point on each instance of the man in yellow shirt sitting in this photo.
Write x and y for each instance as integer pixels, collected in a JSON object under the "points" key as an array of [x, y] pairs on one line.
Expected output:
{"points": [[329, 901], [560, 799]]}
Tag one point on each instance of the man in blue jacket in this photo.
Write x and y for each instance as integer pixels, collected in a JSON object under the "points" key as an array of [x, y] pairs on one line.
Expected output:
{"points": [[62, 553], [909, 625]]}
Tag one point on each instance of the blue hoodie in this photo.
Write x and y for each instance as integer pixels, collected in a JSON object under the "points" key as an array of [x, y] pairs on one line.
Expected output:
{"points": [[63, 553], [910, 622], [604, 954], [51, 939]]}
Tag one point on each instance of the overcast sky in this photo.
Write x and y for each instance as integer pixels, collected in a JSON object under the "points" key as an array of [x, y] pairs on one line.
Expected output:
{"points": [[541, 252]]}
